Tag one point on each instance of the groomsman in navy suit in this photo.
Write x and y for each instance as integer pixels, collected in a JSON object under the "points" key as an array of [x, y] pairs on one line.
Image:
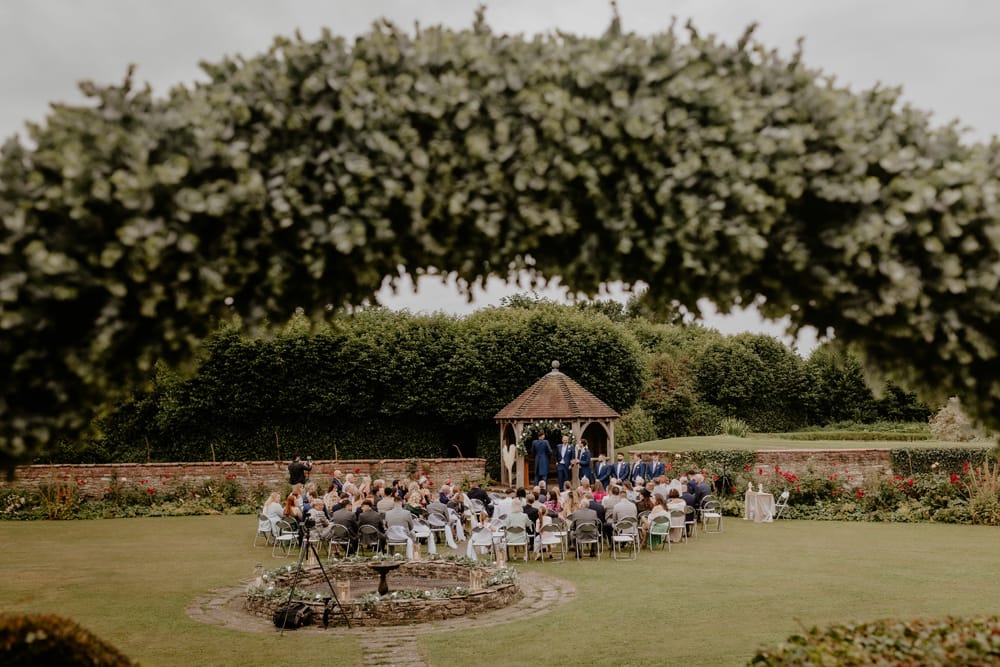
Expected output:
{"points": [[621, 469], [655, 468], [583, 454], [602, 471], [638, 469], [566, 456]]}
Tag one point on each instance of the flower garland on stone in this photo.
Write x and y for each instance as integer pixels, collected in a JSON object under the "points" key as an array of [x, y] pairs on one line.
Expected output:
{"points": [[545, 427]]}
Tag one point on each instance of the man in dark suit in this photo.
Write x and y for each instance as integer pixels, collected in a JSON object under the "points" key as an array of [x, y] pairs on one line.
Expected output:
{"points": [[602, 471], [566, 456], [370, 517], [621, 469], [541, 448], [654, 468], [477, 493], [583, 456], [637, 469]]}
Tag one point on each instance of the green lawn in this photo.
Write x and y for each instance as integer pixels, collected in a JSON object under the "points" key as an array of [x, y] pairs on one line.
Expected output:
{"points": [[711, 602], [755, 442]]}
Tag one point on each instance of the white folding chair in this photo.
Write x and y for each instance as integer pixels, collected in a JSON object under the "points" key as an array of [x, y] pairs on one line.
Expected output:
{"points": [[264, 528], [711, 516], [550, 537], [625, 533], [285, 539], [481, 541], [781, 505], [517, 537]]}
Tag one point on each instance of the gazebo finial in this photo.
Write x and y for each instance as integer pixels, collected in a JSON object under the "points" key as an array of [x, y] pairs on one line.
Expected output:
{"points": [[555, 366]]}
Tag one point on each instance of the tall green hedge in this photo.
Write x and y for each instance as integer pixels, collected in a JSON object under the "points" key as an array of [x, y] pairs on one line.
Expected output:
{"points": [[375, 384]]}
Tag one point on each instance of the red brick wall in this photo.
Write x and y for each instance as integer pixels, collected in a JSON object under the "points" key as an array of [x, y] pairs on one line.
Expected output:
{"points": [[93, 479]]}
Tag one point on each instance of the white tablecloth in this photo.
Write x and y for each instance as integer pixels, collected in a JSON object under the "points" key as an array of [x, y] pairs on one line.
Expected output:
{"points": [[758, 507]]}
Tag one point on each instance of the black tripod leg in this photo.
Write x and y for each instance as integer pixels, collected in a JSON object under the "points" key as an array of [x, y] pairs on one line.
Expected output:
{"points": [[333, 591], [295, 581]]}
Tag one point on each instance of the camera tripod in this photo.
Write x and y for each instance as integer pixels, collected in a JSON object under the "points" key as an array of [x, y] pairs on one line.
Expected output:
{"points": [[307, 547]]}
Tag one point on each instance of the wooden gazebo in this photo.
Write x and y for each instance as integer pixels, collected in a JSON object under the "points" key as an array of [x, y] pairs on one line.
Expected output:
{"points": [[558, 398]]}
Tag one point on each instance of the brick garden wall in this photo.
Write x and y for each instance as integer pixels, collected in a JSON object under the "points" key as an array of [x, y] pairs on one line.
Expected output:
{"points": [[93, 479]]}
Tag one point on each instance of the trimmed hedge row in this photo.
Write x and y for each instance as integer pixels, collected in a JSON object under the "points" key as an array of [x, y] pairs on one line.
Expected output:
{"points": [[926, 642], [911, 461], [850, 435]]}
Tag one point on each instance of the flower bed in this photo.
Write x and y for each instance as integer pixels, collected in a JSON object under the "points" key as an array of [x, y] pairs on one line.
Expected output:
{"points": [[428, 603]]}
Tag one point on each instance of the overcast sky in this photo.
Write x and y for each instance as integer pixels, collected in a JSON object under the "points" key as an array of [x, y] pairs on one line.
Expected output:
{"points": [[944, 55]]}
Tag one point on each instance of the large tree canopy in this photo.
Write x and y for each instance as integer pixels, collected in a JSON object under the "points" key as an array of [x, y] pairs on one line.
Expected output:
{"points": [[306, 175]]}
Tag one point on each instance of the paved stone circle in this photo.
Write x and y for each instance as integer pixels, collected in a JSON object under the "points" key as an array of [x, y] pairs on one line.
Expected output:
{"points": [[391, 645]]}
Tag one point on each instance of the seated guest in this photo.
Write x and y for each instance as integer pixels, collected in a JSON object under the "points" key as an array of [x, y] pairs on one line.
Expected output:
{"points": [[346, 516], [384, 501], [612, 498], [414, 503], [530, 508], [674, 502], [516, 517], [596, 506], [477, 493], [437, 506], [398, 516], [292, 512], [583, 515], [370, 516], [623, 509], [659, 509], [645, 502], [553, 504], [599, 492], [273, 509]]}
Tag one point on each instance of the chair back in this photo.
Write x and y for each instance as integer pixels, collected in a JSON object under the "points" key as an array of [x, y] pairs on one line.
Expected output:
{"points": [[627, 526], [397, 534], [482, 536], [421, 528], [516, 536], [340, 534], [678, 517], [784, 496], [437, 521], [368, 534], [587, 533]]}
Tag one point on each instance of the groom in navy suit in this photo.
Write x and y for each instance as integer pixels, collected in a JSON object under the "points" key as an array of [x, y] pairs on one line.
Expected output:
{"points": [[541, 449]]}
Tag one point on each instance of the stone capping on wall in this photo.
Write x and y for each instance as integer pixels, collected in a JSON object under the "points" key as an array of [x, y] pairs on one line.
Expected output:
{"points": [[93, 478], [396, 612]]}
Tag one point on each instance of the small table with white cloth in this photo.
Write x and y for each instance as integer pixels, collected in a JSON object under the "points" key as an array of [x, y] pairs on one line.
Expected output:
{"points": [[758, 507]]}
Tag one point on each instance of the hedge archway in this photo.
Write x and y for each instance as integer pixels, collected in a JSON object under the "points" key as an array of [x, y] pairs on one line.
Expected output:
{"points": [[308, 174]]}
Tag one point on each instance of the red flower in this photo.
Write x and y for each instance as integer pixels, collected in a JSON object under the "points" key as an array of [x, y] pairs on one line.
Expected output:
{"points": [[715, 478], [166, 476], [909, 482], [860, 493], [965, 468], [760, 471], [747, 468], [955, 478], [357, 470], [163, 483], [151, 491], [777, 469]]}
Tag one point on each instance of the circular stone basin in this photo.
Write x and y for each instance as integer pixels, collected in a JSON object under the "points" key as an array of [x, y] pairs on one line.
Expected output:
{"points": [[443, 586]]}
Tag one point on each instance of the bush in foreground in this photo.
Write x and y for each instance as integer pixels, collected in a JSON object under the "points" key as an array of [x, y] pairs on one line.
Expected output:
{"points": [[47, 639], [889, 642]]}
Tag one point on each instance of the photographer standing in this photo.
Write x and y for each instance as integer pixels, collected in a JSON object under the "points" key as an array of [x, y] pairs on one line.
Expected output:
{"points": [[297, 470]]}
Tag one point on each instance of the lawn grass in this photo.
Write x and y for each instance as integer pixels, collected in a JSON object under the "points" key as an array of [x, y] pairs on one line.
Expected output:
{"points": [[756, 442], [711, 602]]}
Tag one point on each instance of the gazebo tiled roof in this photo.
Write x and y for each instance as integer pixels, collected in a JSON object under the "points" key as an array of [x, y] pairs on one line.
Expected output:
{"points": [[556, 396]]}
